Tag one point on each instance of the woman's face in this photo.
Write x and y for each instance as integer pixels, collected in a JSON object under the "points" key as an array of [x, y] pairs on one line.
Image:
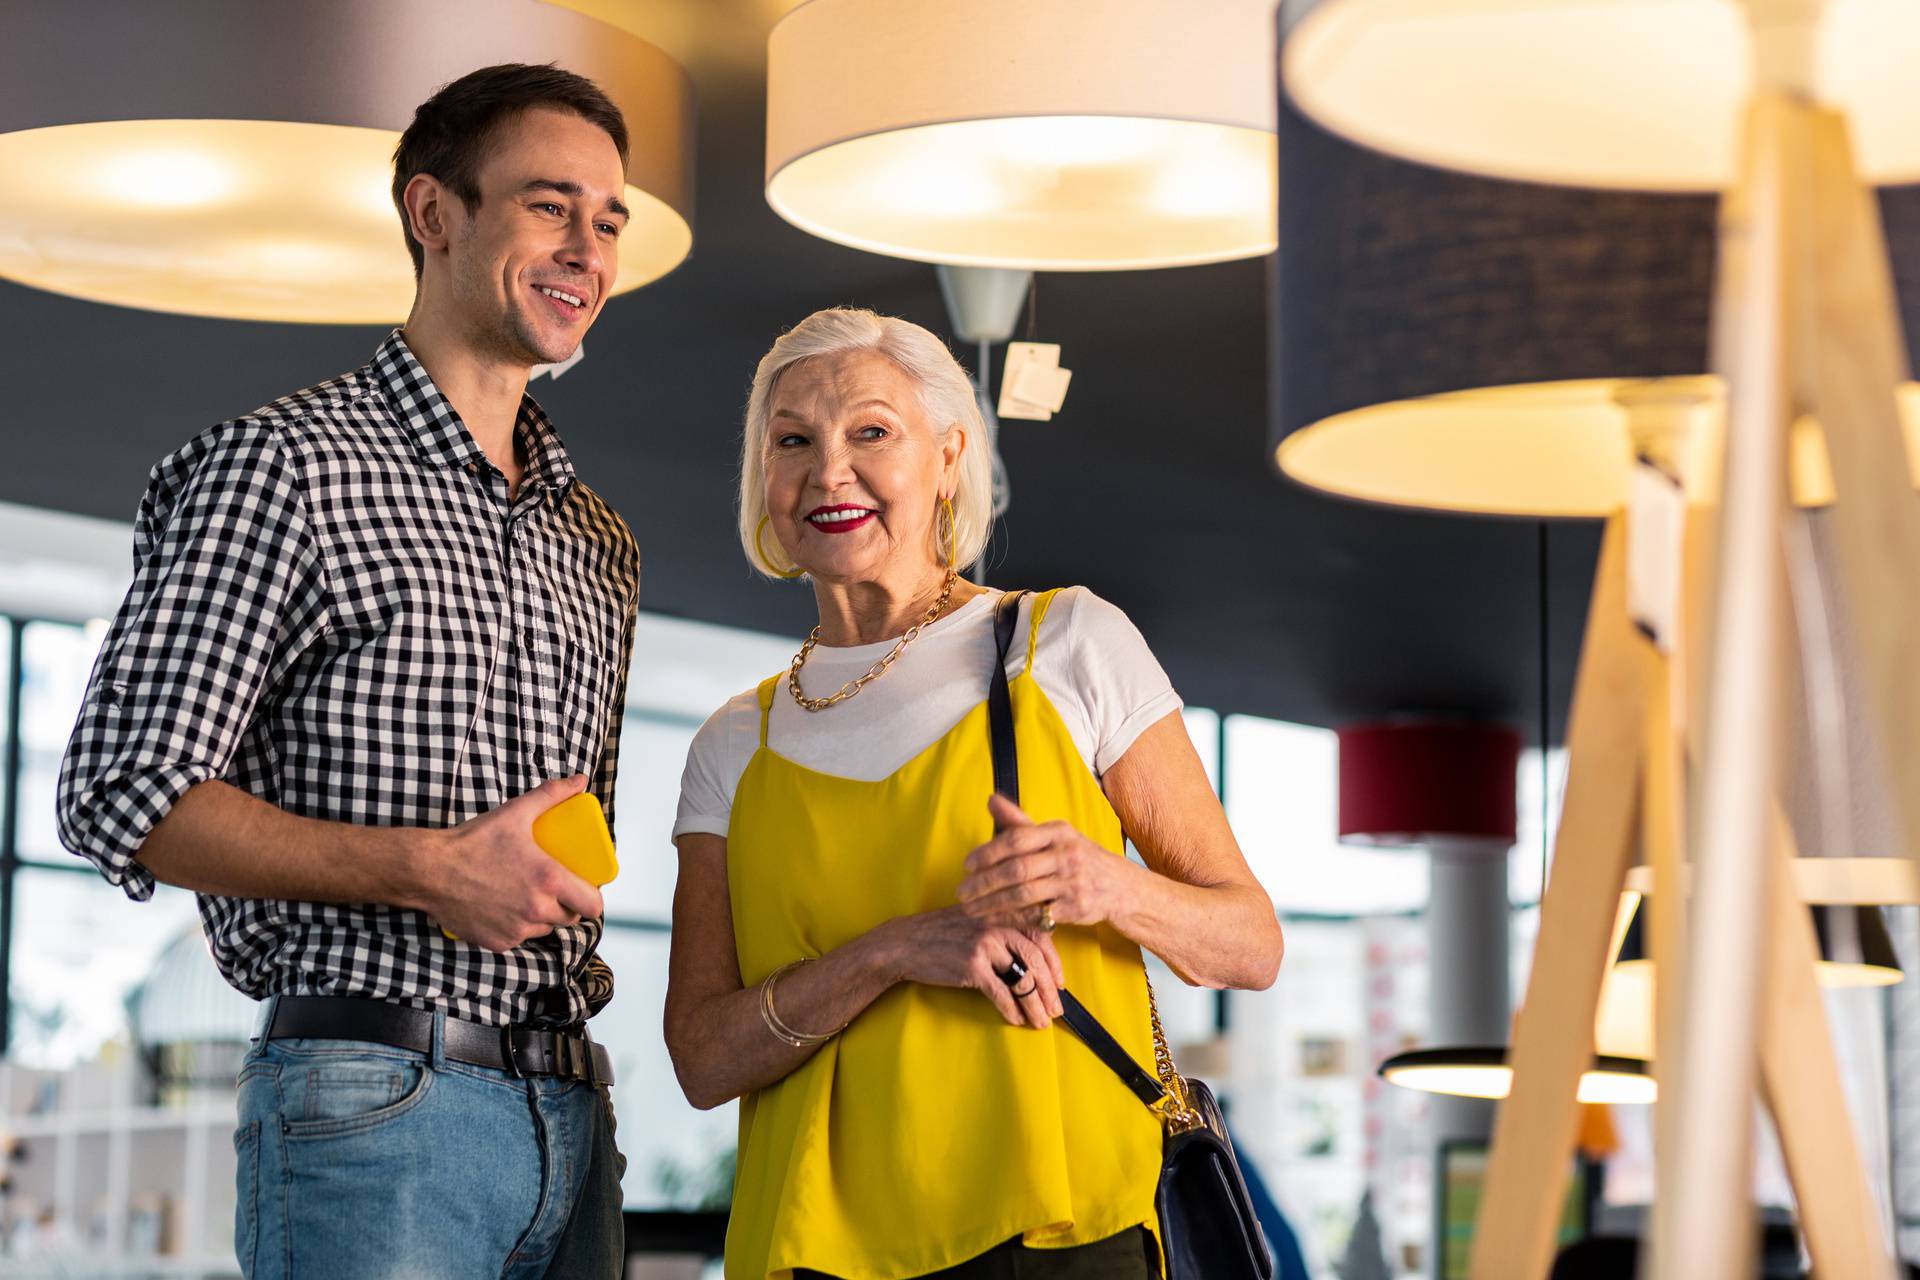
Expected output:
{"points": [[854, 469]]}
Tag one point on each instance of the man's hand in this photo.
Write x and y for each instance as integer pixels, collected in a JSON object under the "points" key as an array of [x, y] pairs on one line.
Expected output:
{"points": [[485, 880], [491, 885]]}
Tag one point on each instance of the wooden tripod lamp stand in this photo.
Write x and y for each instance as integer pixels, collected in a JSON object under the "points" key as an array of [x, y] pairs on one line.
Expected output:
{"points": [[1787, 109]]}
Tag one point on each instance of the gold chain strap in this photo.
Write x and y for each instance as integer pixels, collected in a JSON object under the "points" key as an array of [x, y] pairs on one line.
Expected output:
{"points": [[874, 672], [1177, 1111]]}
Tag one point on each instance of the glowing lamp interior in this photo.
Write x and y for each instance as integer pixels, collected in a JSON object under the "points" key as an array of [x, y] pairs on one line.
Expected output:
{"points": [[1642, 94], [247, 219], [1546, 449], [1060, 193], [1484, 1073]]}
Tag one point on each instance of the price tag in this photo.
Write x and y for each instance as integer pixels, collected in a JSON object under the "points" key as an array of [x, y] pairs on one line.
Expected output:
{"points": [[1033, 385]]}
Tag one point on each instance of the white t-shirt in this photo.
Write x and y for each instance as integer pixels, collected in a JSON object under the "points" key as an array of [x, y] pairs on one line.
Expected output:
{"points": [[1090, 661]]}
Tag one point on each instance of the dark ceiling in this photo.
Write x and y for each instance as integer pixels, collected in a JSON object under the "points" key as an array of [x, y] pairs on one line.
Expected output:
{"points": [[1153, 486]]}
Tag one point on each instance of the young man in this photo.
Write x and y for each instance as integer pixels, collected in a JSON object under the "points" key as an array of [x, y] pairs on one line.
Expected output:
{"points": [[376, 629]]}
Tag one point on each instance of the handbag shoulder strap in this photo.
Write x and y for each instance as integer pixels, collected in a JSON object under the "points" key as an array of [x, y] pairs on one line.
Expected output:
{"points": [[1006, 758], [1006, 780]]}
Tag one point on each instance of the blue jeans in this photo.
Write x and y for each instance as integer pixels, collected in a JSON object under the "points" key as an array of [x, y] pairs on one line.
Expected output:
{"points": [[362, 1160]]}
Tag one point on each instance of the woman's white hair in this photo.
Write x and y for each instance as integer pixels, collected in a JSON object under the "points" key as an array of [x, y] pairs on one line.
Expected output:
{"points": [[946, 396]]}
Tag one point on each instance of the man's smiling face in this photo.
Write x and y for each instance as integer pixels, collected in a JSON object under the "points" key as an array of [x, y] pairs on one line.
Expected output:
{"points": [[534, 260]]}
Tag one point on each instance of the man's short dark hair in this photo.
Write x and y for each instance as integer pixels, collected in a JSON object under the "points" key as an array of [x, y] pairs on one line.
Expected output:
{"points": [[452, 130]]}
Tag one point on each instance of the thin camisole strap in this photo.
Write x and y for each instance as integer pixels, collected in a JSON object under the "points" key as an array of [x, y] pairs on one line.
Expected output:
{"points": [[1040, 603], [767, 689]]}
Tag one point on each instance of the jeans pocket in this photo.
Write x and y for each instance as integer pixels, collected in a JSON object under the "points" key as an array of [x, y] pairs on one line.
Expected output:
{"points": [[246, 1192], [331, 1094], [613, 1134]]}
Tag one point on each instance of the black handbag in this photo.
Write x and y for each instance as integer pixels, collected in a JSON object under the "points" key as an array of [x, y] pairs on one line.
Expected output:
{"points": [[1207, 1224]]}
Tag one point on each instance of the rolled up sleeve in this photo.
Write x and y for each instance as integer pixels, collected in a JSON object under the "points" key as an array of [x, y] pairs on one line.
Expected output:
{"points": [[228, 591]]}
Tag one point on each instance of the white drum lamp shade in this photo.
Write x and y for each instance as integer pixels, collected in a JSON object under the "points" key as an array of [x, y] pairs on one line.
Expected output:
{"points": [[1046, 135], [220, 159], [1637, 94]]}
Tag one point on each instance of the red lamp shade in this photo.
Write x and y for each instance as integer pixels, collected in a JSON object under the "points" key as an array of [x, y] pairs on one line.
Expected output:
{"points": [[1407, 782]]}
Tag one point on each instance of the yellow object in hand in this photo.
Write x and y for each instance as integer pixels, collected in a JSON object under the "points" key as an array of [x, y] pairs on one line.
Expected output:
{"points": [[574, 833]]}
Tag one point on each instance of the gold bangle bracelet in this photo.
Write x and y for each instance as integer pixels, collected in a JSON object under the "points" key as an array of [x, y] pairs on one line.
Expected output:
{"points": [[798, 1039]]}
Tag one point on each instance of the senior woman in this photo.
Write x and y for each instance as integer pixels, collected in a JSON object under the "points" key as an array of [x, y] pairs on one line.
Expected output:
{"points": [[845, 912]]}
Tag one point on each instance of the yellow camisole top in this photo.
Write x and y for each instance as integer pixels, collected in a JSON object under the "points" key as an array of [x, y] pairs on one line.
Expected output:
{"points": [[930, 1130]]}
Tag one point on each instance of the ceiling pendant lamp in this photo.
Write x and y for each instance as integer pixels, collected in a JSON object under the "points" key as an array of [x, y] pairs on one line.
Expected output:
{"points": [[1855, 948], [1452, 342], [1050, 135], [234, 160], [1500, 299], [1622, 1068], [1482, 1072]]}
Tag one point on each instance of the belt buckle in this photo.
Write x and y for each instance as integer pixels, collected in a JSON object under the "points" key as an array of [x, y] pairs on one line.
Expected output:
{"points": [[510, 1052], [571, 1056], [584, 1047]]}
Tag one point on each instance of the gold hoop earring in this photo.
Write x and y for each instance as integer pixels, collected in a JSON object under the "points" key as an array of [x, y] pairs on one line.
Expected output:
{"points": [[953, 534], [765, 559]]}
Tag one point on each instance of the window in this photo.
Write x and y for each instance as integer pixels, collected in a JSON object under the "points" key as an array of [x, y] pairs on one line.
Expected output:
{"points": [[79, 949], [1308, 1111], [653, 747], [1282, 794], [1203, 726], [1531, 853], [56, 660], [677, 1157]]}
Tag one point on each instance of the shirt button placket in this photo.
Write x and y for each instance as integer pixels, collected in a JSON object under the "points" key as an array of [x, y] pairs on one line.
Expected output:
{"points": [[541, 683], [532, 693]]}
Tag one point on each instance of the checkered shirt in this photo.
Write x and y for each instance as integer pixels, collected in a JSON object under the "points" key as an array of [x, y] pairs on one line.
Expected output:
{"points": [[337, 608]]}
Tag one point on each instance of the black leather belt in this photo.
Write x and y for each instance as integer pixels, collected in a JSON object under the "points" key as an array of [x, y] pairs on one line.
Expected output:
{"points": [[518, 1051]]}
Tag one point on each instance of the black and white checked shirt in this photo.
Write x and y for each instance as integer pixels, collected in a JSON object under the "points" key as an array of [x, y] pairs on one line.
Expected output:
{"points": [[336, 607]]}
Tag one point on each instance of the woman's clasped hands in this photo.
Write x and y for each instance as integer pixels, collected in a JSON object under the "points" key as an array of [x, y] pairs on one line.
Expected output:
{"points": [[1036, 875], [949, 948]]}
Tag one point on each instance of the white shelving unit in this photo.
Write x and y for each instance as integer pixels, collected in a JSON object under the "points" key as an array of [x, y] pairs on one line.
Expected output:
{"points": [[99, 1186]]}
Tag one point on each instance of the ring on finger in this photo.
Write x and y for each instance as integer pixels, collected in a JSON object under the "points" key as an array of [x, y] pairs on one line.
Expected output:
{"points": [[1046, 917], [1016, 969], [1031, 988]]}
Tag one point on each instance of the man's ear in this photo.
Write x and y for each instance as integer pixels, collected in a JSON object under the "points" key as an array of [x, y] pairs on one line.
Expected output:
{"points": [[429, 206]]}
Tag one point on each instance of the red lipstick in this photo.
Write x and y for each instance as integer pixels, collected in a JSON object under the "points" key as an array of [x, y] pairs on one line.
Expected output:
{"points": [[841, 518]]}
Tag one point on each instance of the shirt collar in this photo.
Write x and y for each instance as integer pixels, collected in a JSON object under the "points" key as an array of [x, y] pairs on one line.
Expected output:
{"points": [[440, 434]]}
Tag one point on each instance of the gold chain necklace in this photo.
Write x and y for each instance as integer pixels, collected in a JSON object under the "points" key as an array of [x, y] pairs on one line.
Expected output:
{"points": [[874, 672]]}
